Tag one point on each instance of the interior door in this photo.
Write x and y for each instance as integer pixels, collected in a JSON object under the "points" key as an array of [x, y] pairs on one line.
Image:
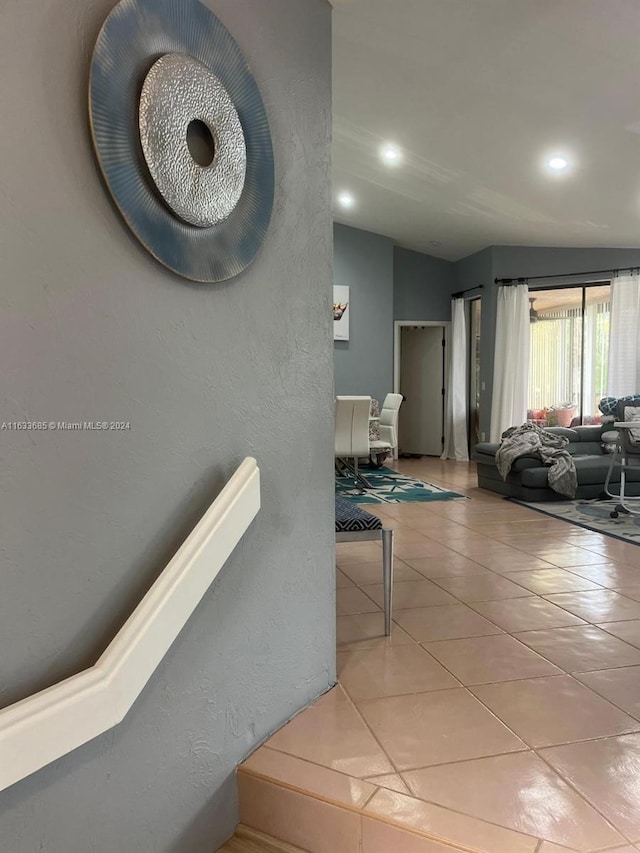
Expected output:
{"points": [[421, 422]]}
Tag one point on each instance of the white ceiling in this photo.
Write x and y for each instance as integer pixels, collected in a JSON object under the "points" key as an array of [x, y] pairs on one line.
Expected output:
{"points": [[478, 93]]}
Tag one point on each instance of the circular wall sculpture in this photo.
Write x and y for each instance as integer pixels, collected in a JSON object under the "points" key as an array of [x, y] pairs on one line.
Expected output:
{"points": [[181, 136]]}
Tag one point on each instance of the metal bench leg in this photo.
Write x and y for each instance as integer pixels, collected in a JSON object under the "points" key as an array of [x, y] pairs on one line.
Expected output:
{"points": [[387, 578]]}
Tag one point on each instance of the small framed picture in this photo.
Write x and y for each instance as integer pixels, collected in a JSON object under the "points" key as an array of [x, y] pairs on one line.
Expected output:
{"points": [[340, 312]]}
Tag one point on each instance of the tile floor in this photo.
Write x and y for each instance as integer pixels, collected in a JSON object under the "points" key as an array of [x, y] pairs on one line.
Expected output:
{"points": [[503, 713]]}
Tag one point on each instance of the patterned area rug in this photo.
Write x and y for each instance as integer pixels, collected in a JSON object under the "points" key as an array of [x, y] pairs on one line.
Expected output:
{"points": [[390, 487], [593, 515]]}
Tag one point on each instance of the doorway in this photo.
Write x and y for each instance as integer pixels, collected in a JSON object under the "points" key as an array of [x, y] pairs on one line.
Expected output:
{"points": [[420, 377]]}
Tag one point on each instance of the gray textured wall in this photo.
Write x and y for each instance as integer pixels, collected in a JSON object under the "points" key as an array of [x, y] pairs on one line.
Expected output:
{"points": [[364, 262], [94, 329], [422, 286]]}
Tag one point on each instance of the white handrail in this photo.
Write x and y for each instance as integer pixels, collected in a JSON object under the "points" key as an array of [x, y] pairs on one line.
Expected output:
{"points": [[49, 724]]}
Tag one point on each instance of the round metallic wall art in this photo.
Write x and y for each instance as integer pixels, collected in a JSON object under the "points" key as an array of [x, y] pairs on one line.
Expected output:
{"points": [[181, 136], [176, 92]]}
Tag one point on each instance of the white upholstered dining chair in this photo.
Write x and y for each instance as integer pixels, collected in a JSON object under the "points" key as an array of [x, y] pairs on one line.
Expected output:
{"points": [[352, 433], [388, 427]]}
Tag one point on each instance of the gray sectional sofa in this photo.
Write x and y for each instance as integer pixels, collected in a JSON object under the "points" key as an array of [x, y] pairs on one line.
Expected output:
{"points": [[528, 480]]}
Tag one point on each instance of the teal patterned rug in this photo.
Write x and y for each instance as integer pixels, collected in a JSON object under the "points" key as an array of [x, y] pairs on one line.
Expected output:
{"points": [[593, 515], [390, 487]]}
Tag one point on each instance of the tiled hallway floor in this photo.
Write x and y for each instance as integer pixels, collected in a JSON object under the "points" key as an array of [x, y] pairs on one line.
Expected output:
{"points": [[503, 713]]}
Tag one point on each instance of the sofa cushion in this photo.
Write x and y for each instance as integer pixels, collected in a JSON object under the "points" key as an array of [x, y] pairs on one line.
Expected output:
{"points": [[566, 432], [590, 471], [590, 433]]}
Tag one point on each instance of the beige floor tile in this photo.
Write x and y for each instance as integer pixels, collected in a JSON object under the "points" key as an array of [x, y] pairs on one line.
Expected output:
{"points": [[470, 541], [448, 622], [392, 671], [356, 546], [581, 649], [619, 552], [432, 728], [470, 832], [366, 631], [392, 781], [381, 837], [550, 711], [620, 686], [421, 593], [517, 791], [366, 574], [307, 822], [484, 588], [331, 733], [602, 605], [426, 548], [351, 599], [610, 575], [475, 548], [545, 581], [366, 552], [452, 565], [482, 660], [518, 562], [607, 773], [630, 591], [405, 535], [308, 777], [629, 631], [571, 555], [342, 580], [449, 532], [526, 614]]}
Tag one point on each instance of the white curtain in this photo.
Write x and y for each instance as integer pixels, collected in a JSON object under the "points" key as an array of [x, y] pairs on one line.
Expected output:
{"points": [[511, 361], [624, 346], [456, 446]]}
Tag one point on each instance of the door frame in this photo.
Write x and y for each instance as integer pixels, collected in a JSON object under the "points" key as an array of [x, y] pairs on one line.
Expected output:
{"points": [[397, 331]]}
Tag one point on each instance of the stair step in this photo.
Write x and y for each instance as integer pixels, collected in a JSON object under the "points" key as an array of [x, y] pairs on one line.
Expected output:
{"points": [[247, 840]]}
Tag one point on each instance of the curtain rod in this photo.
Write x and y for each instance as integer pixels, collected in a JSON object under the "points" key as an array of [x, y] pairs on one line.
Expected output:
{"points": [[525, 280], [461, 293]]}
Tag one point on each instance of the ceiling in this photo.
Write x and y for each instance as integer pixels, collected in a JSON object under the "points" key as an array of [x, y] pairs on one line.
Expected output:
{"points": [[479, 94]]}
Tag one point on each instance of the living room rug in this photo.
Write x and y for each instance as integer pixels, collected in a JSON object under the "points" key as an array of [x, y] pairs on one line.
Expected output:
{"points": [[390, 487], [592, 515]]}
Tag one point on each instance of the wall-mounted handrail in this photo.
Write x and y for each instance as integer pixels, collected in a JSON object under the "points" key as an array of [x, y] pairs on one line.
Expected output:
{"points": [[49, 724]]}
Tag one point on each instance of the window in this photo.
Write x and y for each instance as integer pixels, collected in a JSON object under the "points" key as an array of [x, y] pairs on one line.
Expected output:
{"points": [[569, 353]]}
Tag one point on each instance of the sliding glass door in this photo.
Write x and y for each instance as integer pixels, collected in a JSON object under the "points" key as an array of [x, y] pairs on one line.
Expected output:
{"points": [[569, 353]]}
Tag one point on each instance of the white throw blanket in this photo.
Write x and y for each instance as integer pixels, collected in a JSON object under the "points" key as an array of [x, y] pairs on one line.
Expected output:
{"points": [[532, 440]]}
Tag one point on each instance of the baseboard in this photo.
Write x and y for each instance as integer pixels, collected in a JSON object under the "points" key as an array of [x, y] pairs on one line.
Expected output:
{"points": [[248, 840]]}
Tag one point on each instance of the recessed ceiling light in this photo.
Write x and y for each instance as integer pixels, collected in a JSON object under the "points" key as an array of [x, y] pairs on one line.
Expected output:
{"points": [[390, 154], [557, 163], [346, 199]]}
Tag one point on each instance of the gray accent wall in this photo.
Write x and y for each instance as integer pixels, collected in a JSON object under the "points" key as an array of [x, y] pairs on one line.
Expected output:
{"points": [[472, 271], [364, 262], [93, 328], [422, 286]]}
